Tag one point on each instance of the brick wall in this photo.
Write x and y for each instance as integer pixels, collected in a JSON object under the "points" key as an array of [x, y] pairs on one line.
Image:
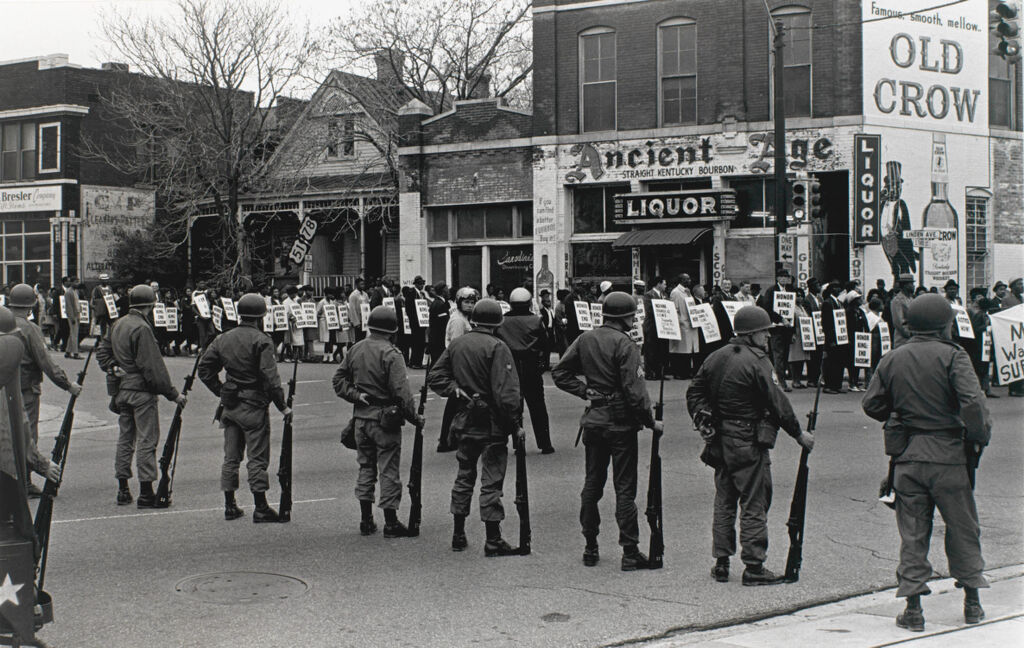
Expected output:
{"points": [[1007, 192], [496, 175], [477, 120]]}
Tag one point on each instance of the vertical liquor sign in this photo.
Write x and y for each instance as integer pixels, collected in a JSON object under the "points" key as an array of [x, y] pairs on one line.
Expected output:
{"points": [[866, 178]]}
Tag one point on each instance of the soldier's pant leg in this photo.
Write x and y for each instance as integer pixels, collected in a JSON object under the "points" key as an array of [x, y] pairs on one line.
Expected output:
{"points": [[125, 439], [468, 453], [755, 487], [624, 460], [234, 447], [451, 406], [31, 400], [951, 490], [147, 424], [366, 455], [389, 460], [493, 461], [914, 511], [723, 526], [257, 448], [532, 385], [598, 456]]}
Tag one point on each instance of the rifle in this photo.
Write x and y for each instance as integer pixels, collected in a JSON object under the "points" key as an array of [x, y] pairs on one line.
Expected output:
{"points": [[798, 507], [522, 495], [169, 458], [416, 469], [654, 511], [284, 466], [44, 514]]}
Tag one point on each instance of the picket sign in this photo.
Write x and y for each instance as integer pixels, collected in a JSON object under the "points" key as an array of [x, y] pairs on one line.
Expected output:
{"points": [[331, 317], [819, 329], [884, 337], [308, 315], [423, 313], [689, 303], [111, 304], [218, 318], [63, 308], [986, 345], [268, 319], [963, 323], [343, 318], [861, 349], [785, 306], [807, 341], [641, 314], [731, 308], [666, 319], [364, 312], [83, 311], [388, 301], [172, 318], [703, 317], [842, 337], [583, 319], [229, 309], [597, 314], [159, 315], [280, 314], [406, 327], [199, 299]]}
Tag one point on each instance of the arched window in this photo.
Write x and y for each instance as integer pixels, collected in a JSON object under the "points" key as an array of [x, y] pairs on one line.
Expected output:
{"points": [[796, 57], [677, 71], [597, 79]]}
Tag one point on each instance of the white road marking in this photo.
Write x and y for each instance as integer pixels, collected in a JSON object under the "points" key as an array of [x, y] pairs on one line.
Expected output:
{"points": [[206, 510]]}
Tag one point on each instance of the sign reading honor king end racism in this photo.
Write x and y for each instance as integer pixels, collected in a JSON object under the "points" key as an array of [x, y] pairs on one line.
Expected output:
{"points": [[674, 206]]}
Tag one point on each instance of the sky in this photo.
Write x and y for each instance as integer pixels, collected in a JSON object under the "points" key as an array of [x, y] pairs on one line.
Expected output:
{"points": [[33, 28]]}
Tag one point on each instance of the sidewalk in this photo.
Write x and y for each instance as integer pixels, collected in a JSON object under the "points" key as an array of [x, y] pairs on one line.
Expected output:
{"points": [[869, 621]]}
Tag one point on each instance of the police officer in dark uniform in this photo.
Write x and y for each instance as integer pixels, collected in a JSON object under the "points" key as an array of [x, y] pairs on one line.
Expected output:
{"points": [[34, 363], [131, 357], [737, 392], [478, 369], [247, 355], [619, 407], [524, 334], [934, 411], [372, 377]]}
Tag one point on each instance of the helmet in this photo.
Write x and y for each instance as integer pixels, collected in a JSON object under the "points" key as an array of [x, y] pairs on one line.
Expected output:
{"points": [[464, 293], [929, 312], [141, 295], [520, 296], [252, 305], [751, 319], [618, 305], [383, 319], [22, 296], [7, 323], [487, 312]]}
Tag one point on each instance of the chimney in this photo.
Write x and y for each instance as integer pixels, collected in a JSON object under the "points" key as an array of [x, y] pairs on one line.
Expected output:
{"points": [[480, 86], [112, 66], [389, 66]]}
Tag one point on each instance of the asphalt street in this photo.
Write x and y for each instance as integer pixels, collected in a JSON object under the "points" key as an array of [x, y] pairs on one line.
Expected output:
{"points": [[120, 577]]}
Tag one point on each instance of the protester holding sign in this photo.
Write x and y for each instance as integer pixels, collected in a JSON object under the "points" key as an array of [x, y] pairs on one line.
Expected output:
{"points": [[683, 350], [799, 349], [782, 332], [655, 348], [977, 310], [856, 322], [835, 353], [414, 296]]}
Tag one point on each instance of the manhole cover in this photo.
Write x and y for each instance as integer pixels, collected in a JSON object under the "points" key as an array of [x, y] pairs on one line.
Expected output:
{"points": [[240, 587]]}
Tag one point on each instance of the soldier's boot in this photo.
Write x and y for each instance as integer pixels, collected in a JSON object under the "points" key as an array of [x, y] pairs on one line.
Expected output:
{"points": [[633, 559], [912, 618], [720, 572], [392, 527], [263, 512], [496, 545], [147, 498], [758, 575], [367, 526], [973, 613], [231, 510], [124, 494], [591, 555], [459, 542]]}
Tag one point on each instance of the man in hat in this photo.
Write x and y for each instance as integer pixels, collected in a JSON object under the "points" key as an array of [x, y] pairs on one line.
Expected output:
{"points": [[73, 315], [606, 287], [995, 304], [100, 315], [952, 290], [930, 400], [1015, 296], [782, 332], [898, 310], [655, 350], [418, 335]]}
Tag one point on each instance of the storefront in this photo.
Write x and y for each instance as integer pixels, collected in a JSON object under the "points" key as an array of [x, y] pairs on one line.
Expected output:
{"points": [[29, 253]]}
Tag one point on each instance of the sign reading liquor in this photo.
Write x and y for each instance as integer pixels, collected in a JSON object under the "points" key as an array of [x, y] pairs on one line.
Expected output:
{"points": [[927, 69], [20, 199], [867, 182], [667, 206]]}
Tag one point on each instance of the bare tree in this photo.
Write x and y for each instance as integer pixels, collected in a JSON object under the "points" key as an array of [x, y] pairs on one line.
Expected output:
{"points": [[200, 119]]}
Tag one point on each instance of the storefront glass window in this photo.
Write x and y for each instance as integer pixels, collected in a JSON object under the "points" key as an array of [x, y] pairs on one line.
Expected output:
{"points": [[753, 195], [469, 223], [437, 225], [592, 261], [594, 209], [511, 265], [499, 221], [12, 248], [526, 220], [680, 185], [437, 265], [467, 267]]}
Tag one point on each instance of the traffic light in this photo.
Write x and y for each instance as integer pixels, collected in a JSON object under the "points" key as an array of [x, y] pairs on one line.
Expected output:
{"points": [[798, 200], [814, 198], [1005, 26]]}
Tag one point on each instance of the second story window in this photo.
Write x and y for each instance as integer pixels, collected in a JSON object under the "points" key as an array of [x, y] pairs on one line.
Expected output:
{"points": [[677, 46], [1000, 92], [18, 151], [597, 74], [796, 59]]}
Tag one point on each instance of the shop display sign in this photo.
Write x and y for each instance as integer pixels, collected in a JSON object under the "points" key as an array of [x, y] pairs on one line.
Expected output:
{"points": [[583, 319], [885, 337], [30, 199], [674, 206], [867, 178], [807, 341], [666, 319], [861, 349]]}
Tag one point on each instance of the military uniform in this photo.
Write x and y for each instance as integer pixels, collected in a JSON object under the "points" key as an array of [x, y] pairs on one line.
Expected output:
{"points": [[251, 384], [524, 334], [36, 361], [737, 385], [374, 368], [610, 361], [131, 346]]}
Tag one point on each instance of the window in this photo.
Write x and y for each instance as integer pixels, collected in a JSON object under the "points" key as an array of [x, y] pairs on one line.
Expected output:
{"points": [[49, 147], [977, 240], [597, 72], [677, 44], [18, 151], [25, 250], [1000, 92], [755, 201], [593, 209], [479, 222], [796, 56], [437, 225], [599, 261], [341, 141], [686, 184]]}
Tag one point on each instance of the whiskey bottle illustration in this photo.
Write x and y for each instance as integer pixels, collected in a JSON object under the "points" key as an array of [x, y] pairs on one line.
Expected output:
{"points": [[545, 278], [939, 214]]}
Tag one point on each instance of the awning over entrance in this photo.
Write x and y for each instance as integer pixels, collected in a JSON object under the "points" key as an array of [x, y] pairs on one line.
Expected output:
{"points": [[677, 236]]}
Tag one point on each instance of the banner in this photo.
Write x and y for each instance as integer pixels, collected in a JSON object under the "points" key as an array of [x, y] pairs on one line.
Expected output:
{"points": [[666, 319], [861, 349], [202, 304], [280, 312], [1008, 343], [159, 315], [596, 314], [111, 303], [331, 317], [583, 319], [807, 341], [172, 318], [884, 337], [423, 313], [819, 330], [218, 318], [842, 337], [229, 309], [785, 305], [703, 317]]}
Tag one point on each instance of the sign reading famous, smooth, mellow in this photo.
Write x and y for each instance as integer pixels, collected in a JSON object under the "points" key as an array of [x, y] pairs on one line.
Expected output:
{"points": [[926, 70]]}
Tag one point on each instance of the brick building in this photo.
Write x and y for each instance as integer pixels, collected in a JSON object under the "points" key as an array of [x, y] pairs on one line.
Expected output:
{"points": [[59, 207], [640, 97]]}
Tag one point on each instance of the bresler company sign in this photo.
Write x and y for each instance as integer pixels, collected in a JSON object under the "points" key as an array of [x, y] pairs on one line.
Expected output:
{"points": [[671, 206], [929, 69], [21, 199]]}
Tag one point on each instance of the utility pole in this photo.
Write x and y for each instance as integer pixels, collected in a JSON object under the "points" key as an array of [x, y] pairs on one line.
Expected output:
{"points": [[780, 142]]}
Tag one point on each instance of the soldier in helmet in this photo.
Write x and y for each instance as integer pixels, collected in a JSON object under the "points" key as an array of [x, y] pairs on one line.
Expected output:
{"points": [[934, 411], [34, 363], [477, 369], [251, 383], [458, 324], [737, 393], [372, 377], [131, 357], [524, 334], [619, 407]]}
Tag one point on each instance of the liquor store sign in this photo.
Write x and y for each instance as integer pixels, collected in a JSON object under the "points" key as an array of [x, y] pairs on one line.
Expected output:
{"points": [[21, 199], [670, 206]]}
